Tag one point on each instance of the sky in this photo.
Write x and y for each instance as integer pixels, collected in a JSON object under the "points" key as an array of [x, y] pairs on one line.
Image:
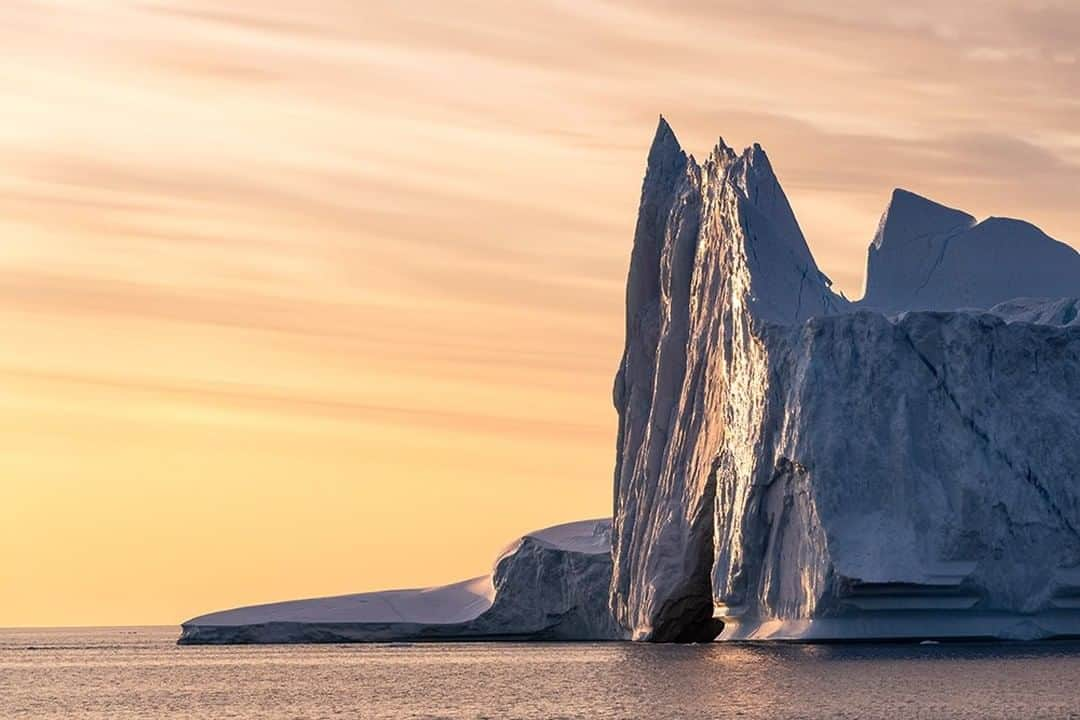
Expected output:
{"points": [[308, 298]]}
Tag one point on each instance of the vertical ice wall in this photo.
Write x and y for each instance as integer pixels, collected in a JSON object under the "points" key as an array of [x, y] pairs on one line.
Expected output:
{"points": [[716, 248]]}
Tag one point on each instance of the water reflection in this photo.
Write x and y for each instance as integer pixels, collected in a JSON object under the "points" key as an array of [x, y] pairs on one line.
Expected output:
{"points": [[142, 674]]}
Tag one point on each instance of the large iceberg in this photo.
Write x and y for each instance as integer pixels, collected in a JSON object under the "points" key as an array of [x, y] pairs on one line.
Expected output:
{"points": [[551, 584], [791, 465]]}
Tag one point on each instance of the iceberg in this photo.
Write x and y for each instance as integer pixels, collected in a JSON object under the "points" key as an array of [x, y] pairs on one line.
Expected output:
{"points": [[790, 464], [551, 584], [794, 466]]}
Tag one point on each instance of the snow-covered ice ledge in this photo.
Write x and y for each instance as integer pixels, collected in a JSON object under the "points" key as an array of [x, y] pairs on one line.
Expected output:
{"points": [[551, 584]]}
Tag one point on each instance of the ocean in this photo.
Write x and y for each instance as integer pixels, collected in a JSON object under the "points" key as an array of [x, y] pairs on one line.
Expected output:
{"points": [[119, 673]]}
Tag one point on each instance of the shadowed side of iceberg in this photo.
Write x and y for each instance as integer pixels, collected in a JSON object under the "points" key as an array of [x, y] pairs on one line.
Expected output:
{"points": [[926, 256], [912, 478]]}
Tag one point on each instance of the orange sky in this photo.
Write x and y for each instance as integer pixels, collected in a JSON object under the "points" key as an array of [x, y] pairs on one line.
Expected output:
{"points": [[303, 298]]}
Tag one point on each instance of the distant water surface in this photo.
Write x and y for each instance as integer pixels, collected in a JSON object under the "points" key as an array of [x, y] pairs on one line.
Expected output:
{"points": [[141, 673]]}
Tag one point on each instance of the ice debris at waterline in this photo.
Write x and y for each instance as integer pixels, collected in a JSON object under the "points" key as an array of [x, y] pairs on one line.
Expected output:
{"points": [[793, 465], [548, 585]]}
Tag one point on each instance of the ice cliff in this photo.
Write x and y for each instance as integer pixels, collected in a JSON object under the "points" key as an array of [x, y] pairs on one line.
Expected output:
{"points": [[551, 584], [790, 465]]}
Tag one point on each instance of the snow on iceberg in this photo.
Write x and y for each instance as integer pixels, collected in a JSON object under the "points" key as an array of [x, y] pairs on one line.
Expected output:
{"points": [[794, 466], [551, 584]]}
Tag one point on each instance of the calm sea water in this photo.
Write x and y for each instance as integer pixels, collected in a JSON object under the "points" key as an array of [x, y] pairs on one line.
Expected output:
{"points": [[141, 673]]}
